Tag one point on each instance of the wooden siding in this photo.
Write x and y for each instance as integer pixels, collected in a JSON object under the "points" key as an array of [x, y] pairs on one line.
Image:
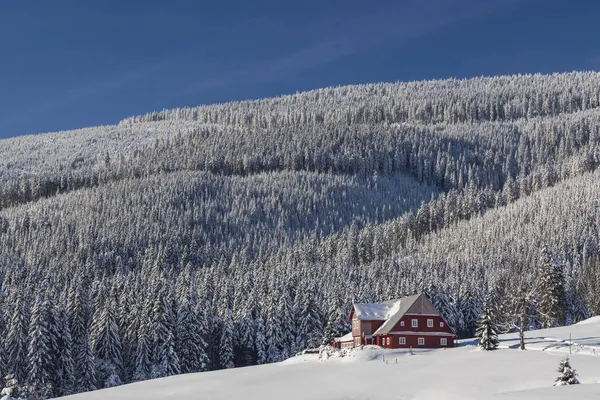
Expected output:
{"points": [[392, 341]]}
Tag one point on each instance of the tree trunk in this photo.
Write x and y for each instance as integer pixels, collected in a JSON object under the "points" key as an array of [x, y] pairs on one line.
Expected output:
{"points": [[522, 324]]}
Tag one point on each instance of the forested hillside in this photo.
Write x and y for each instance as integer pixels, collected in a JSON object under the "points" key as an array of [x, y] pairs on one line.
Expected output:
{"points": [[229, 235]]}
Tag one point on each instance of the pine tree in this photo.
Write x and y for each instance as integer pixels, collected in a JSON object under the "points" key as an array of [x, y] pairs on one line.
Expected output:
{"points": [[106, 345], [11, 390], [486, 331], [568, 376], [286, 322], [552, 299], [226, 342], [66, 373], [328, 334], [42, 351], [191, 346], [16, 341], [86, 380], [165, 360]]}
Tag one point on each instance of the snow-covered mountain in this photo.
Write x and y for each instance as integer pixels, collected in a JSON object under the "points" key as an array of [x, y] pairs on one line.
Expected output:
{"points": [[231, 235], [464, 372]]}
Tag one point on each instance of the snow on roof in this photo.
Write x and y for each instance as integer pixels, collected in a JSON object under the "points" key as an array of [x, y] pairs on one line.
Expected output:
{"points": [[346, 338], [374, 311], [400, 308], [391, 311]]}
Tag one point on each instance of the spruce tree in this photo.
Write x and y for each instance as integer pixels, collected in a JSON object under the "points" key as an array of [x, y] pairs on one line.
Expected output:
{"points": [[16, 341], [486, 331], [42, 354], [191, 346], [11, 390], [552, 299], [226, 342], [165, 361], [106, 345], [568, 376]]}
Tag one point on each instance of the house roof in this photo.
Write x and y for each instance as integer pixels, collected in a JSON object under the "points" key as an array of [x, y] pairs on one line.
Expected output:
{"points": [[346, 338], [373, 311], [392, 311]]}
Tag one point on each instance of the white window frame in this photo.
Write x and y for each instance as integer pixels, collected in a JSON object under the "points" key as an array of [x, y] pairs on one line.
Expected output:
{"points": [[443, 341], [402, 340], [415, 323], [430, 323], [421, 341], [441, 324], [388, 341], [401, 323]]}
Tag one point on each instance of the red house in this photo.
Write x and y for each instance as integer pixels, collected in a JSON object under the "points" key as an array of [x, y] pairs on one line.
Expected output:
{"points": [[407, 322]]}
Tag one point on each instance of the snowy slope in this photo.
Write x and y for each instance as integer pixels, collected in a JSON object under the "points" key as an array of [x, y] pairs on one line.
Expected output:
{"points": [[460, 373]]}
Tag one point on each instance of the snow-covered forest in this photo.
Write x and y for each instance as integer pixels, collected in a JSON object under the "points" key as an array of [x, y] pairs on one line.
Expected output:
{"points": [[229, 235]]}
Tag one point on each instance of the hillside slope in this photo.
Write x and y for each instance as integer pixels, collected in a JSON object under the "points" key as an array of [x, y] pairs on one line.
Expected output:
{"points": [[231, 235]]}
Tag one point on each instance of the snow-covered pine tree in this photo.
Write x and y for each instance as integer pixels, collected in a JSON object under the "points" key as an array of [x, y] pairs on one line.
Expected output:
{"points": [[285, 312], [328, 334], [226, 342], [42, 354], [11, 390], [552, 299], [66, 372], [191, 346], [86, 380], [568, 376], [260, 341], [165, 361], [15, 345], [310, 326], [273, 336], [486, 330], [106, 345]]}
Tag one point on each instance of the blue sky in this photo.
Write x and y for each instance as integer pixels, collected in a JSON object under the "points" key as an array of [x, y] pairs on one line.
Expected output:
{"points": [[66, 64]]}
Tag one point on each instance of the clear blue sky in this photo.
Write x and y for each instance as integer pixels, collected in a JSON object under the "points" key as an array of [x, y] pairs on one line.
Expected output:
{"points": [[73, 63]]}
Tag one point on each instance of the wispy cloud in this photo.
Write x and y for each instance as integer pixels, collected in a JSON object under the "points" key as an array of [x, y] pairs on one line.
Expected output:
{"points": [[402, 22]]}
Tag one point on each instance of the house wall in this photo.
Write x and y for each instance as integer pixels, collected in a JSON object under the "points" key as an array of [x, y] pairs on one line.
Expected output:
{"points": [[412, 340], [421, 324]]}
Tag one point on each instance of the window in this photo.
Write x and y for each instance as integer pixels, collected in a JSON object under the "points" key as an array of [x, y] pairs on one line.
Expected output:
{"points": [[430, 323], [415, 323], [401, 323], [388, 341], [402, 340], [441, 324], [357, 341], [443, 341], [421, 341]]}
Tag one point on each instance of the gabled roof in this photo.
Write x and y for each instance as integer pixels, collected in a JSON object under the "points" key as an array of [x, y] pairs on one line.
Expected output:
{"points": [[392, 311]]}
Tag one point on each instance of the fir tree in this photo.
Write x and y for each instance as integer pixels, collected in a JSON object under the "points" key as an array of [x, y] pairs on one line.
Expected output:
{"points": [[486, 331], [552, 300], [16, 341], [568, 376], [106, 345], [165, 360], [191, 346], [11, 390], [226, 342], [42, 354]]}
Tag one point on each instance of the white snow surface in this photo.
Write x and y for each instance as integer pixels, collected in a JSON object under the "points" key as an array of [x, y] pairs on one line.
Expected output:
{"points": [[463, 372]]}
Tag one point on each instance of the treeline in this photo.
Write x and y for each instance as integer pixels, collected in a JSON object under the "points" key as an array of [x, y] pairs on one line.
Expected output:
{"points": [[451, 101]]}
